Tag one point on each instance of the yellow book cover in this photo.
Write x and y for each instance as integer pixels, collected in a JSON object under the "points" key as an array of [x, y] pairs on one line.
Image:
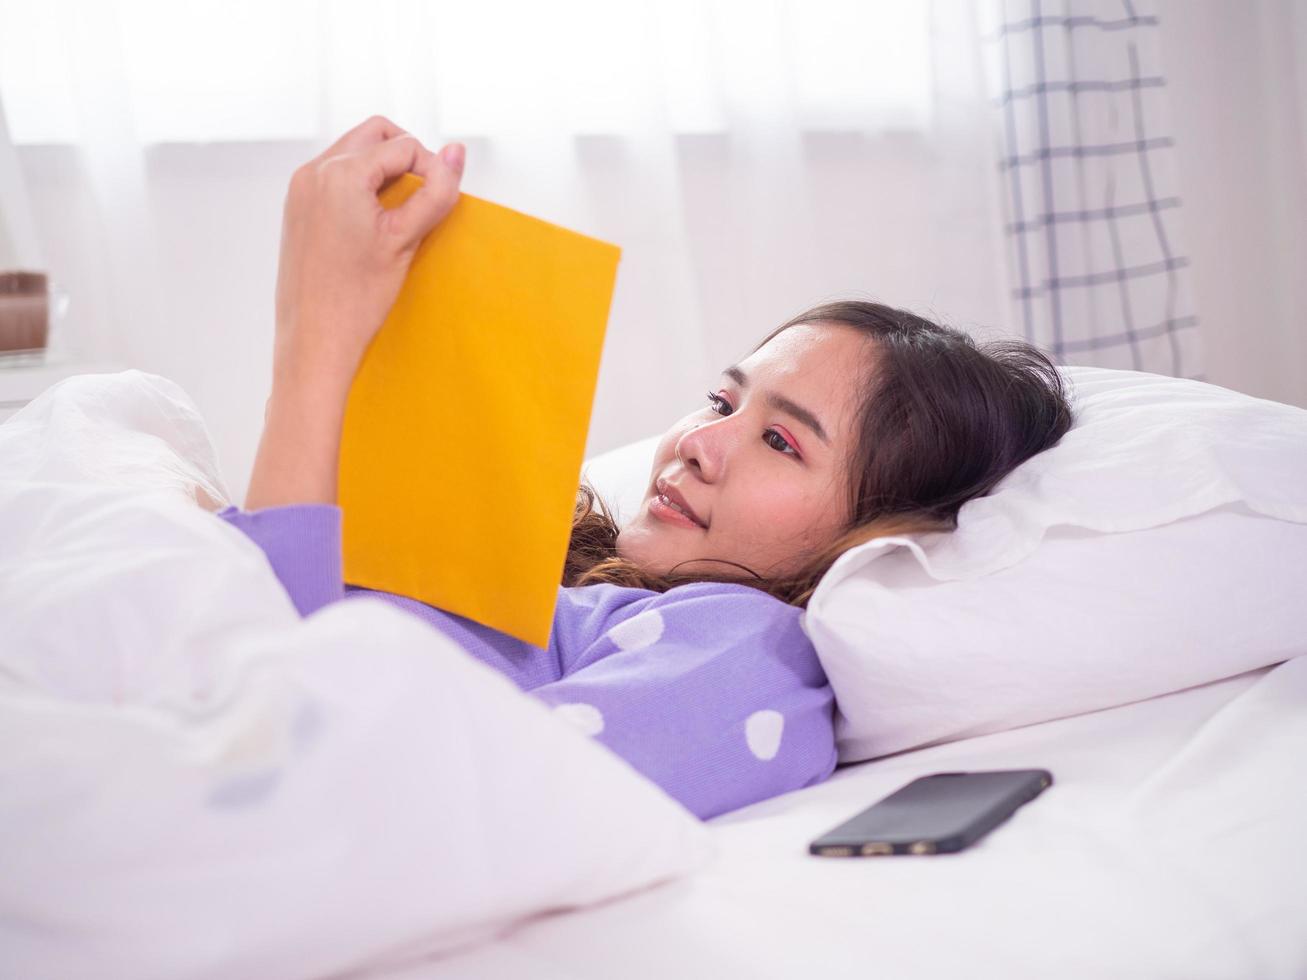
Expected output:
{"points": [[466, 424]]}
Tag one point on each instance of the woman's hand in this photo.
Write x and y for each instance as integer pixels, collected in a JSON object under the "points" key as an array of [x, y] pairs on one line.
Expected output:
{"points": [[344, 256], [343, 260]]}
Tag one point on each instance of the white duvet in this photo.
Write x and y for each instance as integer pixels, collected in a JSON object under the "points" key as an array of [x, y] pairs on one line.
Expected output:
{"points": [[194, 782]]}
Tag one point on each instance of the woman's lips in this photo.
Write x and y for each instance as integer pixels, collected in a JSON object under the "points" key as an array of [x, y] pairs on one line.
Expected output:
{"points": [[660, 509], [672, 499]]}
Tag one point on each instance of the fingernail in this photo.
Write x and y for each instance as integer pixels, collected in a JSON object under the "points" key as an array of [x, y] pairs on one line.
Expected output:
{"points": [[453, 156]]}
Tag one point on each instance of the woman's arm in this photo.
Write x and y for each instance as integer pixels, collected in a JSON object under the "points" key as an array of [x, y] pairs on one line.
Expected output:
{"points": [[299, 450], [343, 261]]}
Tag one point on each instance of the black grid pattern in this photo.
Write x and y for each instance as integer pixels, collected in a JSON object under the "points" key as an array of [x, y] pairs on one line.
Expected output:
{"points": [[1089, 186]]}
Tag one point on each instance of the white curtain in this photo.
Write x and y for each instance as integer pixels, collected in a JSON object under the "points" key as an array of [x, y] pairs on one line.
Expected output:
{"points": [[752, 159]]}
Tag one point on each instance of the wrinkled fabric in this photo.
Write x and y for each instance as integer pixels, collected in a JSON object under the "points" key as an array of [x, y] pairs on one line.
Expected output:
{"points": [[198, 783]]}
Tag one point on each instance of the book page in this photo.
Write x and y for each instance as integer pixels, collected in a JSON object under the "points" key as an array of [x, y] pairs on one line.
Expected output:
{"points": [[466, 424]]}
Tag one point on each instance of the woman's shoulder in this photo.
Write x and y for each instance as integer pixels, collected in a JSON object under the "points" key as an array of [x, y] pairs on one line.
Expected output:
{"points": [[701, 613], [692, 595]]}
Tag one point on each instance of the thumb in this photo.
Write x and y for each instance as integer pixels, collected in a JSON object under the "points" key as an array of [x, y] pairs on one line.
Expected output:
{"points": [[430, 203]]}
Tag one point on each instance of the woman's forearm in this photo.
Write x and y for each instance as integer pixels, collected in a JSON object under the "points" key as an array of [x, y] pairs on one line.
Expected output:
{"points": [[299, 453], [343, 260]]}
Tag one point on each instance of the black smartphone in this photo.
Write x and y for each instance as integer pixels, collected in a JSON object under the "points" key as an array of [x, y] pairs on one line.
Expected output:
{"points": [[935, 814]]}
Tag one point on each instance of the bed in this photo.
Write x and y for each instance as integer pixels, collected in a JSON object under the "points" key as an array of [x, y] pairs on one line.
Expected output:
{"points": [[1170, 845], [197, 783]]}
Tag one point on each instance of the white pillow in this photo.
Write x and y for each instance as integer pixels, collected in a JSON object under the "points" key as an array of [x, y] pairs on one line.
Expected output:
{"points": [[198, 783], [1159, 545], [622, 475]]}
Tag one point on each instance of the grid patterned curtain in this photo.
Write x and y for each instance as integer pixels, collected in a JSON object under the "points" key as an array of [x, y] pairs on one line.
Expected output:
{"points": [[1086, 157]]}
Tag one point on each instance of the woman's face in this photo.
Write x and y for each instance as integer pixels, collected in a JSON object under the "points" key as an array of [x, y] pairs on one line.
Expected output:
{"points": [[762, 465]]}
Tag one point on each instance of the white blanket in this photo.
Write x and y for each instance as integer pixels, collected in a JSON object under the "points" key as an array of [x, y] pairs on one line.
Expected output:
{"points": [[194, 782]]}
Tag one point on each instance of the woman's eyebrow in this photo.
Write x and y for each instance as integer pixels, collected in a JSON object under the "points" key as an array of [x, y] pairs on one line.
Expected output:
{"points": [[782, 403]]}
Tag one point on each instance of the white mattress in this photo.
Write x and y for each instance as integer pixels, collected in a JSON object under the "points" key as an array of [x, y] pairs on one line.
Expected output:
{"points": [[1170, 845]]}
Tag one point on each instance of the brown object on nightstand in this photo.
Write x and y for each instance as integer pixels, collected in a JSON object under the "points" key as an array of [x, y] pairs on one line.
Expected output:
{"points": [[24, 311]]}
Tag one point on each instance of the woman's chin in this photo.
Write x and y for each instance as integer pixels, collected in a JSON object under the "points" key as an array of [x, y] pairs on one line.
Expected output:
{"points": [[636, 543], [622, 544]]}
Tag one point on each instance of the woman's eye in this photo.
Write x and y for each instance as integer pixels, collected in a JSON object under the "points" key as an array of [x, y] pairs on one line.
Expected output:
{"points": [[771, 437], [716, 402], [780, 445]]}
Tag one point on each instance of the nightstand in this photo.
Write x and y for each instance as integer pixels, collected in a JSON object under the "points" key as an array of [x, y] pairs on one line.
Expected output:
{"points": [[21, 381]]}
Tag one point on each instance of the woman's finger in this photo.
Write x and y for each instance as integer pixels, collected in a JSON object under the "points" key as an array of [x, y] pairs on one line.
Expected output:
{"points": [[430, 203], [375, 129], [386, 161]]}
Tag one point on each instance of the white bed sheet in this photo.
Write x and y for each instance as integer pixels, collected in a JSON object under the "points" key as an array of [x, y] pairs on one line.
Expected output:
{"points": [[1170, 845]]}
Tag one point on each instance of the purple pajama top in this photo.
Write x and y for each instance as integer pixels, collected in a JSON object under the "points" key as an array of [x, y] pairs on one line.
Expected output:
{"points": [[711, 690]]}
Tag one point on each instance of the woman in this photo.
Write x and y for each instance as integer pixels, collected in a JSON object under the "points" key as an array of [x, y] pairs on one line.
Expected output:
{"points": [[677, 639]]}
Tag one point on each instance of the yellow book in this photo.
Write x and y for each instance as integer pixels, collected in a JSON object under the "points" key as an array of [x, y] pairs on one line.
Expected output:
{"points": [[466, 424]]}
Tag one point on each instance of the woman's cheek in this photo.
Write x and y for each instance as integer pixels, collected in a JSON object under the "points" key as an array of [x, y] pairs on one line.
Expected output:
{"points": [[780, 512]]}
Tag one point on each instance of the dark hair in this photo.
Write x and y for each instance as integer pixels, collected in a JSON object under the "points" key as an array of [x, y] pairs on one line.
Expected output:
{"points": [[942, 420]]}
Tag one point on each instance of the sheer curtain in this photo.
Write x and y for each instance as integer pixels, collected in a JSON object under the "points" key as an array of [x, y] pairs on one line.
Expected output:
{"points": [[752, 159]]}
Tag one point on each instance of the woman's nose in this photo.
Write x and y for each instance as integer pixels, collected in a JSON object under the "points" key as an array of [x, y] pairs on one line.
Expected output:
{"points": [[705, 449]]}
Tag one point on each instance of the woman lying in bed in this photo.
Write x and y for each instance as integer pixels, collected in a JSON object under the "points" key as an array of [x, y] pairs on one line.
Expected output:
{"points": [[677, 639]]}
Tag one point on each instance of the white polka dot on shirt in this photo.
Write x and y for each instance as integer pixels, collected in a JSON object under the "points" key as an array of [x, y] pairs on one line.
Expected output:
{"points": [[641, 630], [586, 717], [762, 730]]}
